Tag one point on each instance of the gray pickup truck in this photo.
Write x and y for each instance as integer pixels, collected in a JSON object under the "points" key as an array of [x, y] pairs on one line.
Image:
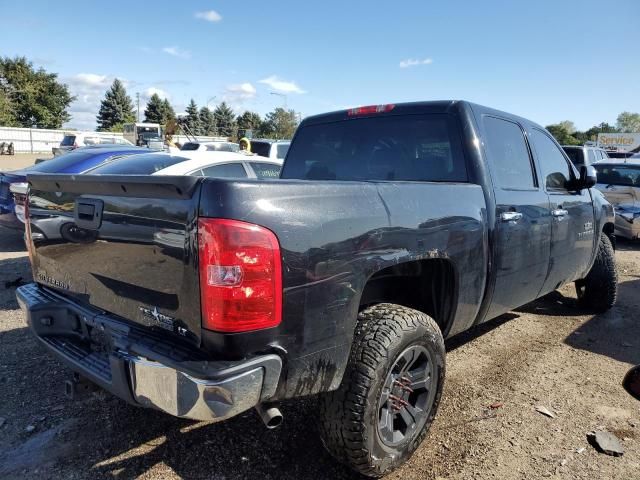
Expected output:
{"points": [[391, 228]]}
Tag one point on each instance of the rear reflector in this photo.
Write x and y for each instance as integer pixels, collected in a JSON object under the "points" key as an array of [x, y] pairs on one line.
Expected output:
{"points": [[369, 109], [240, 276]]}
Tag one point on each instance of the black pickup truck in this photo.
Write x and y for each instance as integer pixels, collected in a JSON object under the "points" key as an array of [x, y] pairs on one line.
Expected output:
{"points": [[391, 228]]}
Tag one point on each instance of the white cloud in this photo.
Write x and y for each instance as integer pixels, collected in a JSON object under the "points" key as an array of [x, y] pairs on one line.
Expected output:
{"points": [[89, 89], [280, 85], [412, 62], [90, 80], [177, 52], [209, 16], [148, 93], [236, 95]]}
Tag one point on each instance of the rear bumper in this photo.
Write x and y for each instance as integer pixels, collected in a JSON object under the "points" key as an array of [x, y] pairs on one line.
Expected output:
{"points": [[145, 368]]}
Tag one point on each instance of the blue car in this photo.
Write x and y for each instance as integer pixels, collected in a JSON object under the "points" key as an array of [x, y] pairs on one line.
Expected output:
{"points": [[13, 188]]}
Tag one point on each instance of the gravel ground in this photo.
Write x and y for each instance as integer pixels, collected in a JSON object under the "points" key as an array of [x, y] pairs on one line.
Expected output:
{"points": [[547, 353], [20, 160]]}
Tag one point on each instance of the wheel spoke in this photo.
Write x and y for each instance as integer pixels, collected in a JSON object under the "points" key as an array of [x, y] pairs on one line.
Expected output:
{"points": [[386, 423], [420, 380], [409, 358], [407, 414]]}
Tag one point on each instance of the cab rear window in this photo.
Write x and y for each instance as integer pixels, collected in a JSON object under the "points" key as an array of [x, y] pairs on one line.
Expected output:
{"points": [[393, 148]]}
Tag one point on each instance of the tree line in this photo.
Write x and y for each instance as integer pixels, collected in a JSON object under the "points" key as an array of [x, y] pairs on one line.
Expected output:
{"points": [[33, 97], [566, 133], [117, 109]]}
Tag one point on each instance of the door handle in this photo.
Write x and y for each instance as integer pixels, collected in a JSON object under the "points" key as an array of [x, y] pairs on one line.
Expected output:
{"points": [[559, 212], [510, 216]]}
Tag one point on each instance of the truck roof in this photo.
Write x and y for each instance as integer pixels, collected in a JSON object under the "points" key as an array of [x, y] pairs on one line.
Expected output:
{"points": [[431, 106]]}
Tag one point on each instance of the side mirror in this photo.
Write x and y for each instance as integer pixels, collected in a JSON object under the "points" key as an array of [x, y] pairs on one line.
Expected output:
{"points": [[588, 176], [631, 382]]}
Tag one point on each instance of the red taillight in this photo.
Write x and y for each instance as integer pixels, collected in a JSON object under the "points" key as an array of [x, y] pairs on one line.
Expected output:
{"points": [[240, 276], [370, 109]]}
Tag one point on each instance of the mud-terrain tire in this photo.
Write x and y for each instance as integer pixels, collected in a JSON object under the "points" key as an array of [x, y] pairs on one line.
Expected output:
{"points": [[397, 356], [599, 289]]}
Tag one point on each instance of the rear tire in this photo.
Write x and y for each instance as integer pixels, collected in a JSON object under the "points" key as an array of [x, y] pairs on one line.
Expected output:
{"points": [[390, 391], [599, 289]]}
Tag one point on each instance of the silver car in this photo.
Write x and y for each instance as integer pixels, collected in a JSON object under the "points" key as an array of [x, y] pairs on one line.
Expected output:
{"points": [[619, 181]]}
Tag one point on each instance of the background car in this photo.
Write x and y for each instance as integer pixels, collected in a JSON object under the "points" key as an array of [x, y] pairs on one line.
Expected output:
{"points": [[71, 141], [208, 164], [13, 187], [584, 154], [270, 148], [619, 181]]}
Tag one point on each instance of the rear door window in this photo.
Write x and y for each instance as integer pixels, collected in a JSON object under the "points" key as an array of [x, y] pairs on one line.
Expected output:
{"points": [[391, 147], [508, 154], [226, 170], [592, 156], [265, 170]]}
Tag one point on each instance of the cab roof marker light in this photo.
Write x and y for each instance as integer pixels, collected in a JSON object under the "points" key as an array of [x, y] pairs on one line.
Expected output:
{"points": [[369, 109]]}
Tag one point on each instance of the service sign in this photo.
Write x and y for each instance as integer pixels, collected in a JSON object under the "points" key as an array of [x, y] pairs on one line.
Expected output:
{"points": [[620, 142]]}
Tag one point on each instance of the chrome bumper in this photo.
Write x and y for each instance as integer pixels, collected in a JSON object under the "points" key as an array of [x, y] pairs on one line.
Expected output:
{"points": [[131, 368]]}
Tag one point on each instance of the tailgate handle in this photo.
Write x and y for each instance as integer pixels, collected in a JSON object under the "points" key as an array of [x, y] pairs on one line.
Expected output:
{"points": [[88, 213]]}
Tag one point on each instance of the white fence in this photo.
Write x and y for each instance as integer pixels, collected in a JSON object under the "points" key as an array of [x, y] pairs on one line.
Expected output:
{"points": [[36, 140]]}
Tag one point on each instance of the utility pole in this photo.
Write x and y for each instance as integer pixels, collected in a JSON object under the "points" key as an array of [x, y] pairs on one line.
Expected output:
{"points": [[138, 103]]}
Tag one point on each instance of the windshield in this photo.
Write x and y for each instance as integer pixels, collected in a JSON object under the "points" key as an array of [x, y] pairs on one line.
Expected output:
{"points": [[266, 170], [143, 164], [622, 175], [576, 155], [68, 141], [283, 148], [409, 147]]}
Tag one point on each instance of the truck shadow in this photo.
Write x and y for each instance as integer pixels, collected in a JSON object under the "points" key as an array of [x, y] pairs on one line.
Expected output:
{"points": [[616, 333], [627, 245], [11, 241]]}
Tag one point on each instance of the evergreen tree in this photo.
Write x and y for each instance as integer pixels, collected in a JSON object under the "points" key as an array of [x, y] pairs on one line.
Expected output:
{"points": [[154, 113], [116, 109], [207, 121], [280, 123], [249, 121], [168, 113], [226, 120], [193, 118]]}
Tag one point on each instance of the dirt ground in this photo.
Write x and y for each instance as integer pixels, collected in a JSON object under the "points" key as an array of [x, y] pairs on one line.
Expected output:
{"points": [[20, 160], [548, 354]]}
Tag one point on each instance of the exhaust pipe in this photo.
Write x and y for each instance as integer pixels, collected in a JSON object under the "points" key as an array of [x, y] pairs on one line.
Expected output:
{"points": [[270, 415]]}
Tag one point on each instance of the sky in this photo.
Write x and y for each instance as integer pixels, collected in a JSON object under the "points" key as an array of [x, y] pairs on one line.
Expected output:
{"points": [[545, 60]]}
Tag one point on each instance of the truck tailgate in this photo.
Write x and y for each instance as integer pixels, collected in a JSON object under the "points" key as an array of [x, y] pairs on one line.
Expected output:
{"points": [[123, 244]]}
